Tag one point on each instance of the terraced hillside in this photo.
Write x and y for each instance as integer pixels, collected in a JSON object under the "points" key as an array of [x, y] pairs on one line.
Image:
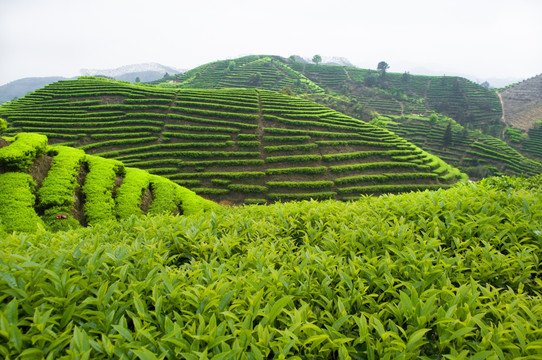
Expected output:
{"points": [[60, 187], [239, 145], [266, 72], [393, 94], [523, 103], [477, 154]]}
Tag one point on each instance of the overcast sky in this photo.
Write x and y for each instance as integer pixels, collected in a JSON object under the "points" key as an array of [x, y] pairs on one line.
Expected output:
{"points": [[482, 38]]}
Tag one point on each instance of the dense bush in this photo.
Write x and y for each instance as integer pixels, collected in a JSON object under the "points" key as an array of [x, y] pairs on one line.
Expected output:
{"points": [[17, 204], [22, 151]]}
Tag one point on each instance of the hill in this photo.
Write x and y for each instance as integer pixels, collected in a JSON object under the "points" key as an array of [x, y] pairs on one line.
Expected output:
{"points": [[238, 145], [408, 100], [146, 72], [60, 187], [523, 103], [21, 87], [428, 275], [392, 94]]}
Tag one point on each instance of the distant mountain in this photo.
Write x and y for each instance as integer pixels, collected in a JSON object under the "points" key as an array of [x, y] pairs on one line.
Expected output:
{"points": [[21, 87], [145, 72]]}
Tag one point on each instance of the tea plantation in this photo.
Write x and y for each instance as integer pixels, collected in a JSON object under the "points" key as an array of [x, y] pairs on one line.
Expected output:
{"points": [[59, 187], [410, 100], [235, 145], [447, 274]]}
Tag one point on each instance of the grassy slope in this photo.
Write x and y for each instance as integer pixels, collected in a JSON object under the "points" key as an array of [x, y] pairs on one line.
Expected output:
{"points": [[231, 144], [359, 92], [60, 187], [446, 274]]}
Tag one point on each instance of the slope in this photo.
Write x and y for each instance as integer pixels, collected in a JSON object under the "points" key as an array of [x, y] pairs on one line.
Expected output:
{"points": [[409, 100], [523, 103], [236, 145], [389, 93], [61, 187]]}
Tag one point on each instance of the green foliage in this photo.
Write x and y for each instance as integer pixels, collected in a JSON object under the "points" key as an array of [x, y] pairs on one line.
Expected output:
{"points": [[98, 188], [293, 158], [3, 125], [56, 194], [244, 188], [300, 184], [130, 193], [17, 204], [22, 152], [174, 199], [428, 275], [298, 170]]}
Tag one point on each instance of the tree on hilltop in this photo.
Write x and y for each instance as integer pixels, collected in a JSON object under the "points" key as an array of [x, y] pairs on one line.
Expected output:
{"points": [[382, 67], [317, 59]]}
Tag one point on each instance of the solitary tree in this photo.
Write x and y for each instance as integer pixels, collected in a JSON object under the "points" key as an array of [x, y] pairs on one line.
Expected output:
{"points": [[317, 59], [382, 67], [137, 79]]}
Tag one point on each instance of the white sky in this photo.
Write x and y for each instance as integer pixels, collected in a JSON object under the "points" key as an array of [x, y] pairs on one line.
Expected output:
{"points": [[483, 38]]}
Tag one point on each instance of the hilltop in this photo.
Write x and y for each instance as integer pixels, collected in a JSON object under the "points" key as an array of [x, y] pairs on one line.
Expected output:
{"points": [[418, 108], [59, 187], [235, 145]]}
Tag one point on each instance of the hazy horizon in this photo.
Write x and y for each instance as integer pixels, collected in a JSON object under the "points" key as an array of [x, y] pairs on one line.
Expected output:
{"points": [[481, 40]]}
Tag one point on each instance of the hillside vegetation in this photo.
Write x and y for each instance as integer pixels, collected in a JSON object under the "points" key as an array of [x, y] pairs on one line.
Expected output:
{"points": [[477, 146], [449, 274], [59, 187], [239, 145]]}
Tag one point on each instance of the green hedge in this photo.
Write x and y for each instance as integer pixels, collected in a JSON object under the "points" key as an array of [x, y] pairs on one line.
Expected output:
{"points": [[98, 188], [300, 184], [277, 139], [22, 152], [302, 147], [380, 178], [247, 188], [119, 142], [301, 196], [227, 175], [393, 189], [378, 165], [297, 170], [17, 203], [130, 193], [57, 189], [293, 158]]}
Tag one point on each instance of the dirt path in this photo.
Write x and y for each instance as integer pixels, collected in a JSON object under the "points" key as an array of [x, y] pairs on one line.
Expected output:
{"points": [[167, 112], [426, 88], [347, 74], [502, 106]]}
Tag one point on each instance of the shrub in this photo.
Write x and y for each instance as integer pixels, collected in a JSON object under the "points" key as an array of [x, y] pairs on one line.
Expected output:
{"points": [[17, 203], [22, 152], [130, 193], [247, 188], [98, 188]]}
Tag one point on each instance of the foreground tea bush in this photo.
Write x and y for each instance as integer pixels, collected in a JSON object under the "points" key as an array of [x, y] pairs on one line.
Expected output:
{"points": [[448, 274]]}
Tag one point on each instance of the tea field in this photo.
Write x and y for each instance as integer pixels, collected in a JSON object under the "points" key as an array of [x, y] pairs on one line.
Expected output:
{"points": [[59, 187], [446, 274], [234, 145]]}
